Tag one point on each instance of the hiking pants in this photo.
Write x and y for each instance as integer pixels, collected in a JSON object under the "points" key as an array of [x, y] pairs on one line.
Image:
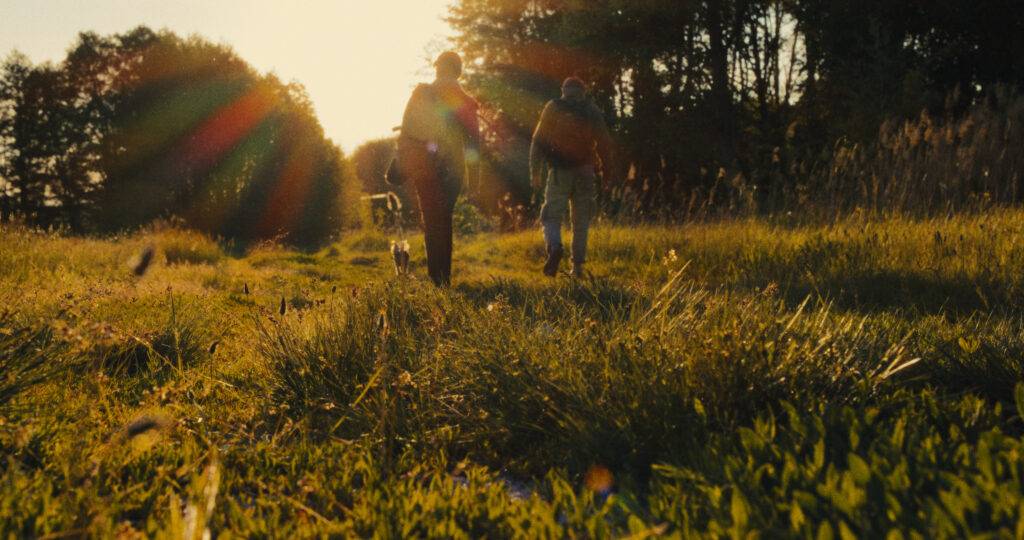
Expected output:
{"points": [[575, 189], [437, 192]]}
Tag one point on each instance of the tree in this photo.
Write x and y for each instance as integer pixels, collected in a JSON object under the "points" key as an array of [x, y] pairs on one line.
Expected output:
{"points": [[144, 125], [695, 87], [28, 127], [13, 167]]}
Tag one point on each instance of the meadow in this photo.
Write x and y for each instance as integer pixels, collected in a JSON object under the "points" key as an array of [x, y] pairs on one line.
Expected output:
{"points": [[743, 378]]}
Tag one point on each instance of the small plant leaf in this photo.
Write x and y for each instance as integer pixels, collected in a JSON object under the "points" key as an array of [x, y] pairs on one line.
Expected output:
{"points": [[969, 345], [740, 509], [1018, 396]]}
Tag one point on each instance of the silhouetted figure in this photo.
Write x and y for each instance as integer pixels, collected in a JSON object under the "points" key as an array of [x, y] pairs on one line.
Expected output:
{"points": [[570, 137], [440, 132]]}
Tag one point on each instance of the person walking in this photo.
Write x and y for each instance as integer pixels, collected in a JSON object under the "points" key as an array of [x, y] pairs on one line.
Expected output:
{"points": [[440, 133], [570, 141]]}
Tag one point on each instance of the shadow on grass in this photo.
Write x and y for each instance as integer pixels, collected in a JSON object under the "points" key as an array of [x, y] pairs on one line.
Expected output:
{"points": [[887, 291], [597, 298]]}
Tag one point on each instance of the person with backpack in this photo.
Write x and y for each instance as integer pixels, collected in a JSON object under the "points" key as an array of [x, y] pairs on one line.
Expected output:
{"points": [[570, 140], [440, 133]]}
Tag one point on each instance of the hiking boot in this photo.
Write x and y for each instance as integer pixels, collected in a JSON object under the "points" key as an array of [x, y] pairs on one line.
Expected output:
{"points": [[554, 258], [577, 271]]}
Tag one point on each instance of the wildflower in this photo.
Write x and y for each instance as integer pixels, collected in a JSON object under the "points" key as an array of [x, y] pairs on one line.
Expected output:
{"points": [[670, 257]]}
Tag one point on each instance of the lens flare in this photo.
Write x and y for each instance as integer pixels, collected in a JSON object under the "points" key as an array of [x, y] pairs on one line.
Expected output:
{"points": [[291, 191], [223, 130], [599, 480]]}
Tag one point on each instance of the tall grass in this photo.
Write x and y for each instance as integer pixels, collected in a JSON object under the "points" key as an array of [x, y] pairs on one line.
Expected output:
{"points": [[932, 165], [180, 343], [29, 357], [533, 380], [730, 379], [184, 247]]}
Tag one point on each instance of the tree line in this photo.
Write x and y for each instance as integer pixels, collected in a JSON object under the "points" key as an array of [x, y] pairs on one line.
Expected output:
{"points": [[748, 99], [718, 106], [146, 125]]}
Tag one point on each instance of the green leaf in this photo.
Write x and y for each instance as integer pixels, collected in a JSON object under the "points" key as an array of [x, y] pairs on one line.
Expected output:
{"points": [[750, 440], [1018, 395], [796, 517], [819, 456], [825, 531], [699, 408], [859, 469], [894, 534], [969, 345], [845, 533], [740, 509]]}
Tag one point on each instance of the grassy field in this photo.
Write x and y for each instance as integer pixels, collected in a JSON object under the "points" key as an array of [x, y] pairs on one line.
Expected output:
{"points": [[734, 379]]}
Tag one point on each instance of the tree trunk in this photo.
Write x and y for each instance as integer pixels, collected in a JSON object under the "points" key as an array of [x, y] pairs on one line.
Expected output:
{"points": [[721, 100]]}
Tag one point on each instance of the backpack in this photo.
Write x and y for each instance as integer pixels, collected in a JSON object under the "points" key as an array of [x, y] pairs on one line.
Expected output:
{"points": [[394, 176], [572, 135]]}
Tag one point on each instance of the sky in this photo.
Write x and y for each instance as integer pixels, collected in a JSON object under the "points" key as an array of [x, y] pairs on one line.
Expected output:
{"points": [[358, 59]]}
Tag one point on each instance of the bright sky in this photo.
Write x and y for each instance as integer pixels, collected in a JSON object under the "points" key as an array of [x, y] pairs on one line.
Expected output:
{"points": [[358, 59]]}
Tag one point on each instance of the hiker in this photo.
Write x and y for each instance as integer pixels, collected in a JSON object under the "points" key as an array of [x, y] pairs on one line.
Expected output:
{"points": [[571, 137], [440, 132]]}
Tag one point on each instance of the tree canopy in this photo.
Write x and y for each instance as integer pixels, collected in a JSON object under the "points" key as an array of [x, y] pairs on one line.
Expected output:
{"points": [[723, 101], [751, 86], [145, 125]]}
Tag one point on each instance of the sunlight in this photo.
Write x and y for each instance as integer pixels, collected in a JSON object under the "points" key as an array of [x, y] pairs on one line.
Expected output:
{"points": [[731, 268], [357, 60]]}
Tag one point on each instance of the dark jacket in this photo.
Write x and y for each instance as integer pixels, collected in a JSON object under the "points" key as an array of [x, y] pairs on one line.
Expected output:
{"points": [[442, 116]]}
